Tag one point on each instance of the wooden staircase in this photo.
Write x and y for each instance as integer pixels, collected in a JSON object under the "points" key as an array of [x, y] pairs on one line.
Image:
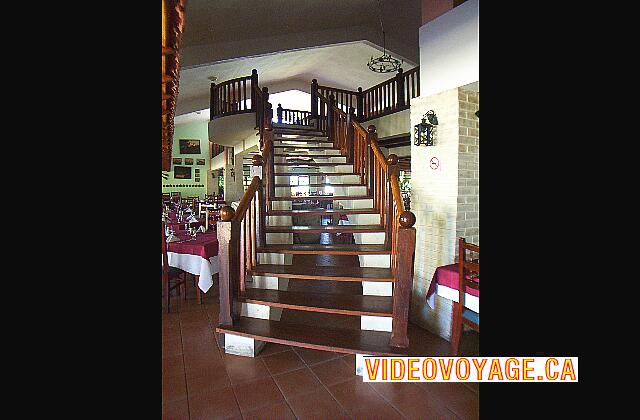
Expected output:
{"points": [[349, 178]]}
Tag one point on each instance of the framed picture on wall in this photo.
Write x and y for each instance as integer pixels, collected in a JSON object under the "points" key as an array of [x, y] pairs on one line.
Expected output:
{"points": [[197, 179], [189, 147], [182, 172], [177, 161], [200, 162], [188, 161]]}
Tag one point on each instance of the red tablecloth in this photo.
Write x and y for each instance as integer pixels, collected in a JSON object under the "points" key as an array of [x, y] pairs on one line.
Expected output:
{"points": [[447, 275], [205, 245]]}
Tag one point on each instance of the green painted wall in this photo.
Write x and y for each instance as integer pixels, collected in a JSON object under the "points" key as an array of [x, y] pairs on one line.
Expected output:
{"points": [[188, 187]]}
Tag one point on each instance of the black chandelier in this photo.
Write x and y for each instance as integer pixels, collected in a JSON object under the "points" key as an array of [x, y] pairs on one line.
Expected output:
{"points": [[384, 63]]}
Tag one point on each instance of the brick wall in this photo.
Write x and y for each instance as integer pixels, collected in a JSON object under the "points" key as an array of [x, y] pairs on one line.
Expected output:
{"points": [[467, 220], [444, 199]]}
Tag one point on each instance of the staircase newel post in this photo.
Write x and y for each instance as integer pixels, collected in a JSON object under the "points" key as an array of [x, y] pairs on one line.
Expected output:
{"points": [[254, 87], [372, 136], [279, 113], [258, 170], [406, 244], [314, 98], [351, 117], [212, 101], [360, 104], [400, 88], [229, 264], [331, 118]]}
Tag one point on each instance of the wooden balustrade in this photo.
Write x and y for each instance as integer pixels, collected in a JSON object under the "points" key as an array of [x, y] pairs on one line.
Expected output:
{"points": [[293, 116], [240, 233], [392, 95], [233, 96]]}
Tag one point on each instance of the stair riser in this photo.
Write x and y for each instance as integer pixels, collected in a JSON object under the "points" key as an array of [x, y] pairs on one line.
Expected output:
{"points": [[369, 238], [303, 152], [281, 160], [354, 204], [302, 143], [346, 168], [383, 261], [331, 179], [279, 221], [376, 323], [288, 220]]}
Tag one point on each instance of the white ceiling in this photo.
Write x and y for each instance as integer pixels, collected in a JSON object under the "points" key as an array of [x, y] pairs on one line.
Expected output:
{"points": [[342, 66]]}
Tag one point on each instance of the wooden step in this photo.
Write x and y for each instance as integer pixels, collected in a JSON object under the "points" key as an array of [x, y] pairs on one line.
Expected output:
{"points": [[279, 146], [311, 272], [318, 338], [323, 184], [330, 303], [326, 229], [322, 197], [298, 155], [335, 249], [313, 173], [325, 212], [313, 164]]}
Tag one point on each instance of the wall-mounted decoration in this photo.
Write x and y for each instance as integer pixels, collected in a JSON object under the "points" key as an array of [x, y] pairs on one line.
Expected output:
{"points": [[189, 147], [197, 179], [181, 172], [200, 162], [425, 132], [197, 170], [177, 161], [188, 161]]}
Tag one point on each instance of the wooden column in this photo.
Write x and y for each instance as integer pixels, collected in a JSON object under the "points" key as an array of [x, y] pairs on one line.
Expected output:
{"points": [[400, 88], [351, 118], [212, 101], [228, 258], [261, 234], [314, 98], [279, 113], [360, 96], [331, 118], [254, 86], [406, 245]]}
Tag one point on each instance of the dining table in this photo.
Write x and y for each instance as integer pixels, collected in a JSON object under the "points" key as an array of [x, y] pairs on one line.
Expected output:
{"points": [[444, 283], [198, 256], [173, 223]]}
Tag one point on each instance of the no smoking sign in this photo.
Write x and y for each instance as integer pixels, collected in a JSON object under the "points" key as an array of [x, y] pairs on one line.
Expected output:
{"points": [[434, 163]]}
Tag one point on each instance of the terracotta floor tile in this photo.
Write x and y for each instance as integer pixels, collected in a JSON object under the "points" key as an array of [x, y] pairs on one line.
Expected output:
{"points": [[455, 396], [275, 412], [301, 381], [193, 317], [210, 381], [256, 394], [382, 411], [355, 394], [174, 389], [333, 371], [273, 348], [285, 361], [244, 369], [318, 405], [172, 366], [310, 356], [219, 404], [201, 362], [177, 410], [412, 401]]}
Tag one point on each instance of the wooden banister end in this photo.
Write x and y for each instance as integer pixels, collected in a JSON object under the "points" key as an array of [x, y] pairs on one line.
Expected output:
{"points": [[254, 71], [371, 129], [257, 160], [227, 213], [392, 159], [407, 219]]}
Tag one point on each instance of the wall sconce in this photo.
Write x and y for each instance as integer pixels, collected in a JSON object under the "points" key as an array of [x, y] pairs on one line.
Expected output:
{"points": [[424, 133]]}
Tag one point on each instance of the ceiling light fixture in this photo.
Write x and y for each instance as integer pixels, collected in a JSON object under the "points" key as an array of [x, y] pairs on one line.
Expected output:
{"points": [[385, 63]]}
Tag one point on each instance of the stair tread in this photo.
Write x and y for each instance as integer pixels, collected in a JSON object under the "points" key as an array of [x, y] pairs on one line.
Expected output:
{"points": [[287, 146], [306, 156], [319, 338], [323, 184], [306, 164], [321, 302], [323, 229], [340, 249], [342, 273], [321, 197], [313, 173], [321, 211]]}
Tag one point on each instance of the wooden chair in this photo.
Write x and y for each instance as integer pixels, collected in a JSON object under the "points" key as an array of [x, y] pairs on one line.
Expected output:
{"points": [[170, 274], [175, 196], [468, 276]]}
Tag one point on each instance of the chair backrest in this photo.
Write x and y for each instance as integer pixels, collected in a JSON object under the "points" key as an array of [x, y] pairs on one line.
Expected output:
{"points": [[165, 256], [468, 267]]}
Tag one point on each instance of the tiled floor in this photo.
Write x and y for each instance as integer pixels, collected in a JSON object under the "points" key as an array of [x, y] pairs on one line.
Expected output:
{"points": [[200, 381]]}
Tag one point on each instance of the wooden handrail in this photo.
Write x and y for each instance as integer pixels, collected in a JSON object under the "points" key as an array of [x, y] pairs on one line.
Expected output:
{"points": [[246, 198]]}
